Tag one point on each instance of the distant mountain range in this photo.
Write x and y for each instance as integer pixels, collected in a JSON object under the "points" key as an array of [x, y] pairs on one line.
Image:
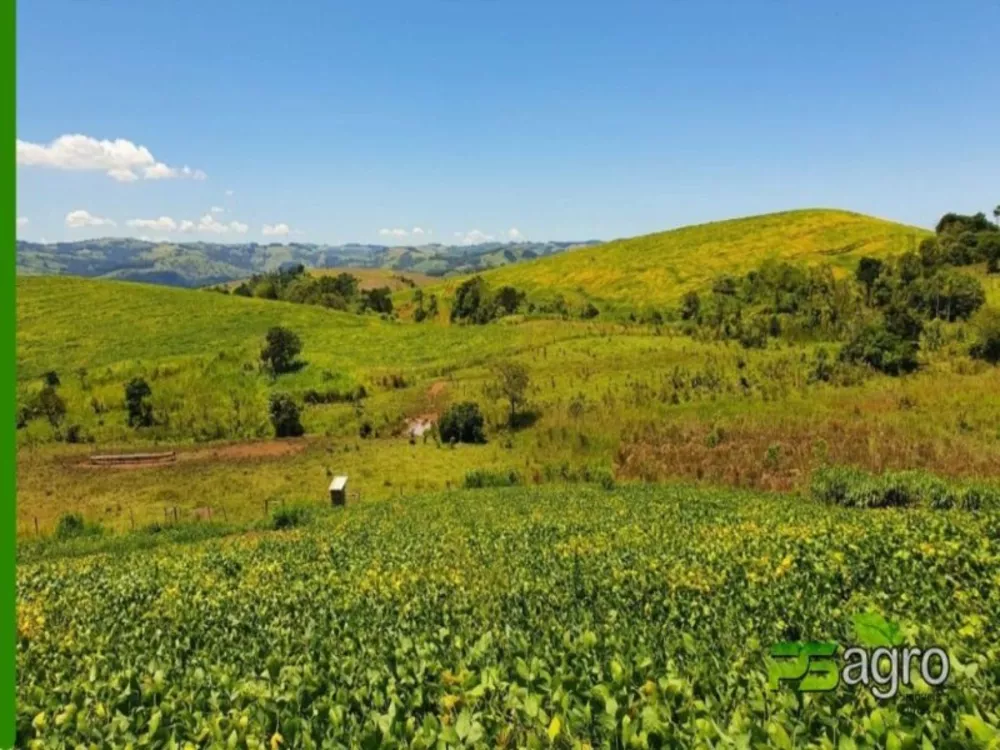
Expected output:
{"points": [[194, 264]]}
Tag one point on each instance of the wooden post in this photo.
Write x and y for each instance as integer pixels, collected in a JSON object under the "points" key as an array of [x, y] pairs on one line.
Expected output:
{"points": [[225, 516], [175, 514], [36, 525]]}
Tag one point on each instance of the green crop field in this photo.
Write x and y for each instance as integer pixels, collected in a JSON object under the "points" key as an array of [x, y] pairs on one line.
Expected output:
{"points": [[640, 617], [657, 269]]}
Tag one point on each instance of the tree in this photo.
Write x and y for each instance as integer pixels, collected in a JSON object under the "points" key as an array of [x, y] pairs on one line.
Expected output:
{"points": [[690, 306], [285, 416], [508, 299], [867, 273], [510, 382], [140, 411], [281, 347], [881, 349], [469, 296], [462, 423], [989, 246], [379, 300]]}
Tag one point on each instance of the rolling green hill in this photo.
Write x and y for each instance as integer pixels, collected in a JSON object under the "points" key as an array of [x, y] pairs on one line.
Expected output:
{"points": [[657, 269]]}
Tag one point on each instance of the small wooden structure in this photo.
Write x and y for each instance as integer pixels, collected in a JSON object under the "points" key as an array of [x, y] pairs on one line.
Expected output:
{"points": [[338, 491], [134, 458]]}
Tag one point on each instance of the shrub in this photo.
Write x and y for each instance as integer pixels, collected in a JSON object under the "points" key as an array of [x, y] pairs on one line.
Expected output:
{"points": [[463, 423], [285, 416], [479, 478], [281, 347], [289, 518], [140, 411], [72, 525], [855, 488], [365, 430], [51, 405], [881, 349], [987, 344]]}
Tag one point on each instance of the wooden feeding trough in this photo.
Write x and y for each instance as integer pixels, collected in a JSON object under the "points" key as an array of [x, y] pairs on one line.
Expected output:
{"points": [[338, 491]]}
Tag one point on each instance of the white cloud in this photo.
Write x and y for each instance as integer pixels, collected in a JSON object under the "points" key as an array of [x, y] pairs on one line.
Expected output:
{"points": [[120, 159], [123, 175], [230, 193], [161, 171], [473, 238], [22, 222], [206, 224], [275, 230], [81, 218], [515, 234], [392, 232], [162, 224], [217, 209], [418, 231]]}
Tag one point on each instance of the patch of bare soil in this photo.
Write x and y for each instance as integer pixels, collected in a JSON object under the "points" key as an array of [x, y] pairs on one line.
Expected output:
{"points": [[233, 452]]}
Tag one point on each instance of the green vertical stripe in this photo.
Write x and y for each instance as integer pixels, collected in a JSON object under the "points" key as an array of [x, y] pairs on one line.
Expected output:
{"points": [[8, 368]]}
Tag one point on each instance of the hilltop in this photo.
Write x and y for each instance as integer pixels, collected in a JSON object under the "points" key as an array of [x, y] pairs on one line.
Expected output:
{"points": [[657, 269]]}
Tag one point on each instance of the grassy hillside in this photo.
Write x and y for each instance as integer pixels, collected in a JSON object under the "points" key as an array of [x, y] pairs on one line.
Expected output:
{"points": [[657, 269]]}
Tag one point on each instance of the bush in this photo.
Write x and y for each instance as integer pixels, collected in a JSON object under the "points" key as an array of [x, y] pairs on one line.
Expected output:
{"points": [[285, 416], [881, 349], [463, 423], [281, 347], [987, 344], [855, 488], [140, 411], [479, 478], [51, 405], [72, 525], [289, 518]]}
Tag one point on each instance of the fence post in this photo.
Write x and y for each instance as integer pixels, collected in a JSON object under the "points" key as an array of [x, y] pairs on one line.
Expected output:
{"points": [[266, 503], [36, 526], [175, 514], [225, 516]]}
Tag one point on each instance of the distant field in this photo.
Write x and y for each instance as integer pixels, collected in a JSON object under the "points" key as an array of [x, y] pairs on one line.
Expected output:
{"points": [[657, 269]]}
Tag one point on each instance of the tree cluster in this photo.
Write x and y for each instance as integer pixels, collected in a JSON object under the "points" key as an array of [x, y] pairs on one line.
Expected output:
{"points": [[476, 303], [340, 292]]}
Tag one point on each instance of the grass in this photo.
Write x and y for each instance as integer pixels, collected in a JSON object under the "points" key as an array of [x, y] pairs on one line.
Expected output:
{"points": [[655, 270], [516, 617]]}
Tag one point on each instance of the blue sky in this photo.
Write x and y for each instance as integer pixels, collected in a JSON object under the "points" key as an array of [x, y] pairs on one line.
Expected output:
{"points": [[350, 121]]}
